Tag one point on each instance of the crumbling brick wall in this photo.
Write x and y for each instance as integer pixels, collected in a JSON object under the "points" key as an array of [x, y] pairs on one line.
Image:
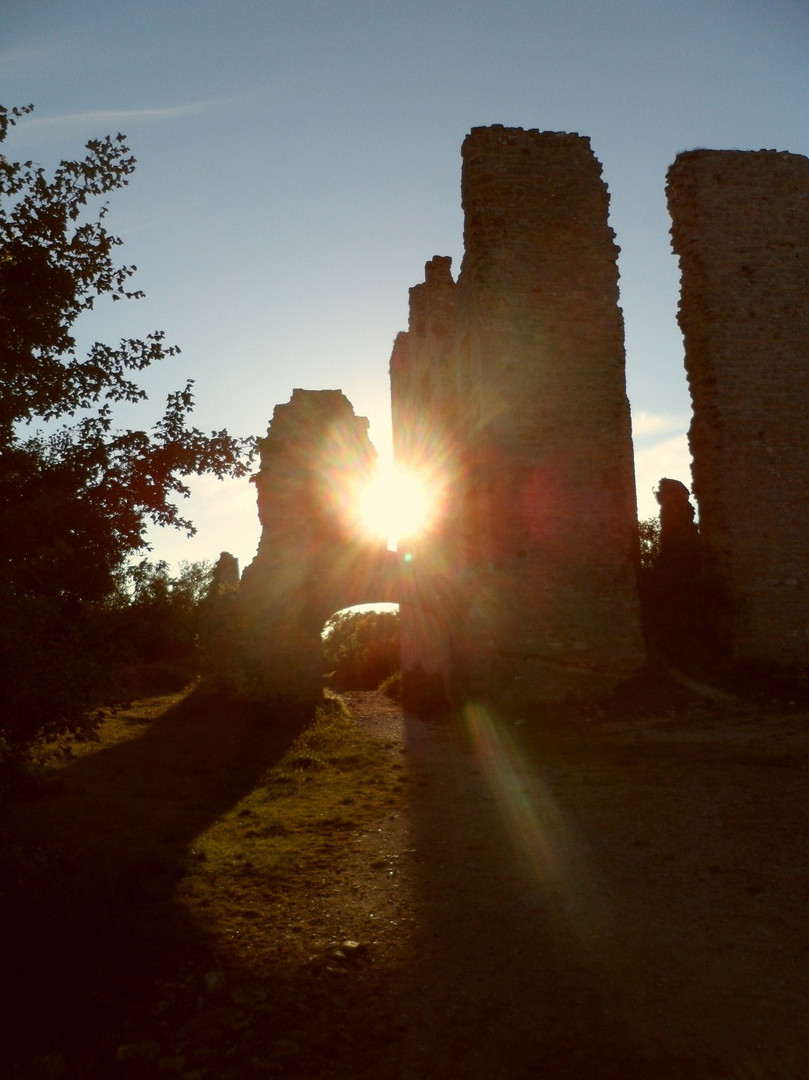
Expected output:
{"points": [[543, 536], [741, 231]]}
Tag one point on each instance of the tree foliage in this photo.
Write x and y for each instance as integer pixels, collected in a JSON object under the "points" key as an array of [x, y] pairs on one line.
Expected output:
{"points": [[154, 617], [76, 493], [649, 536], [361, 648]]}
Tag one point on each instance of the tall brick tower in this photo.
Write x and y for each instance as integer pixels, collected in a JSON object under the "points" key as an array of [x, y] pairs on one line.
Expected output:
{"points": [[741, 230], [542, 536]]}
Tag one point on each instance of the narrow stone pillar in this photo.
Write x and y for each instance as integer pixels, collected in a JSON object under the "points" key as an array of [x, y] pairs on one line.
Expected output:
{"points": [[423, 404], [741, 231]]}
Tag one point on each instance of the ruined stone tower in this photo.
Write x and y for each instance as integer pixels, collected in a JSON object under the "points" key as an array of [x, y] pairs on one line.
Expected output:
{"points": [[741, 230], [523, 367], [312, 560]]}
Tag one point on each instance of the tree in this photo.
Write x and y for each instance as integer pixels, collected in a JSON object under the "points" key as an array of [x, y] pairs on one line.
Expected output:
{"points": [[154, 617], [649, 536], [361, 648], [76, 495]]}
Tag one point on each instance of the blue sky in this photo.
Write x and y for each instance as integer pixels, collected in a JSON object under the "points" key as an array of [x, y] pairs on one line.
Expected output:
{"points": [[298, 163]]}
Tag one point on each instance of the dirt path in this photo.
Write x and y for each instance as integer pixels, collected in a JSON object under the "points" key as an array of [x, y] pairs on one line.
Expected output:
{"points": [[607, 899]]}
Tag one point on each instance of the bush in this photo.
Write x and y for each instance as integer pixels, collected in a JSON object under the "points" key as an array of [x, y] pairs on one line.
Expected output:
{"points": [[155, 617], [58, 664]]}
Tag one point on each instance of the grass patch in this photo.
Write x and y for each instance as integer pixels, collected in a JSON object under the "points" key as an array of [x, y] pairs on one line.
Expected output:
{"points": [[187, 837], [116, 724], [285, 839]]}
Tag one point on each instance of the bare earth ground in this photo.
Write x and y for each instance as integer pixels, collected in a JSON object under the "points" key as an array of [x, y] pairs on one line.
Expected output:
{"points": [[599, 898], [582, 897]]}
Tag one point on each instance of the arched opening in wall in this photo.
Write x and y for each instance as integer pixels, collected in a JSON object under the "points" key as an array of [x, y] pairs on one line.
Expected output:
{"points": [[362, 649]]}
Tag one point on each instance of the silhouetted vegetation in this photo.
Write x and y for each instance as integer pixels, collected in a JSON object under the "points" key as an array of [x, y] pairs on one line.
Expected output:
{"points": [[76, 494], [361, 648], [141, 638], [649, 537], [681, 606], [392, 686], [155, 617]]}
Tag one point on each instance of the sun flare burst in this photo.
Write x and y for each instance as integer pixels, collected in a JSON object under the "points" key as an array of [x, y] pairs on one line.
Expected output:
{"points": [[397, 505]]}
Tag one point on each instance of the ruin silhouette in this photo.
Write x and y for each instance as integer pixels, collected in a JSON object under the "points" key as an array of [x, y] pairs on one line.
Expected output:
{"points": [[509, 384], [741, 230]]}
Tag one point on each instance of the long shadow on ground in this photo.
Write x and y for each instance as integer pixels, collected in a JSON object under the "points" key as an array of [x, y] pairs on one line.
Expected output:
{"points": [[590, 900], [90, 860], [609, 900]]}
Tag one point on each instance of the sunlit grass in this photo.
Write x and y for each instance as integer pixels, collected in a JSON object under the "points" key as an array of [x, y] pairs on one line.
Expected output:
{"points": [[286, 838], [119, 724], [195, 841], [163, 814]]}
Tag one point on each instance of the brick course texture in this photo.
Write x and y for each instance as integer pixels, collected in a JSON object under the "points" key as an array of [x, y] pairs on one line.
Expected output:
{"points": [[741, 231], [515, 382]]}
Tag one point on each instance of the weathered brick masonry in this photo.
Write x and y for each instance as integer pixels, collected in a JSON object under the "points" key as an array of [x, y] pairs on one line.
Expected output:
{"points": [[741, 230], [533, 421]]}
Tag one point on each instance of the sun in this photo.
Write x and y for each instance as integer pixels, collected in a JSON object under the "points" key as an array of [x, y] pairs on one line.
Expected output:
{"points": [[396, 505]]}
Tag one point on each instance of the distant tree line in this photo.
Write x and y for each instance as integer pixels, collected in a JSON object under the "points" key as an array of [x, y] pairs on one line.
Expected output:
{"points": [[154, 618]]}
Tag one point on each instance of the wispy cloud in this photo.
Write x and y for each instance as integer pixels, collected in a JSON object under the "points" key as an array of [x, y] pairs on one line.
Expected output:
{"points": [[671, 458], [123, 118], [646, 425]]}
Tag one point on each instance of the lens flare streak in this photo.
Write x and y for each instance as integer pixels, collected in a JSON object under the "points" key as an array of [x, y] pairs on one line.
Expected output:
{"points": [[544, 843], [531, 819]]}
